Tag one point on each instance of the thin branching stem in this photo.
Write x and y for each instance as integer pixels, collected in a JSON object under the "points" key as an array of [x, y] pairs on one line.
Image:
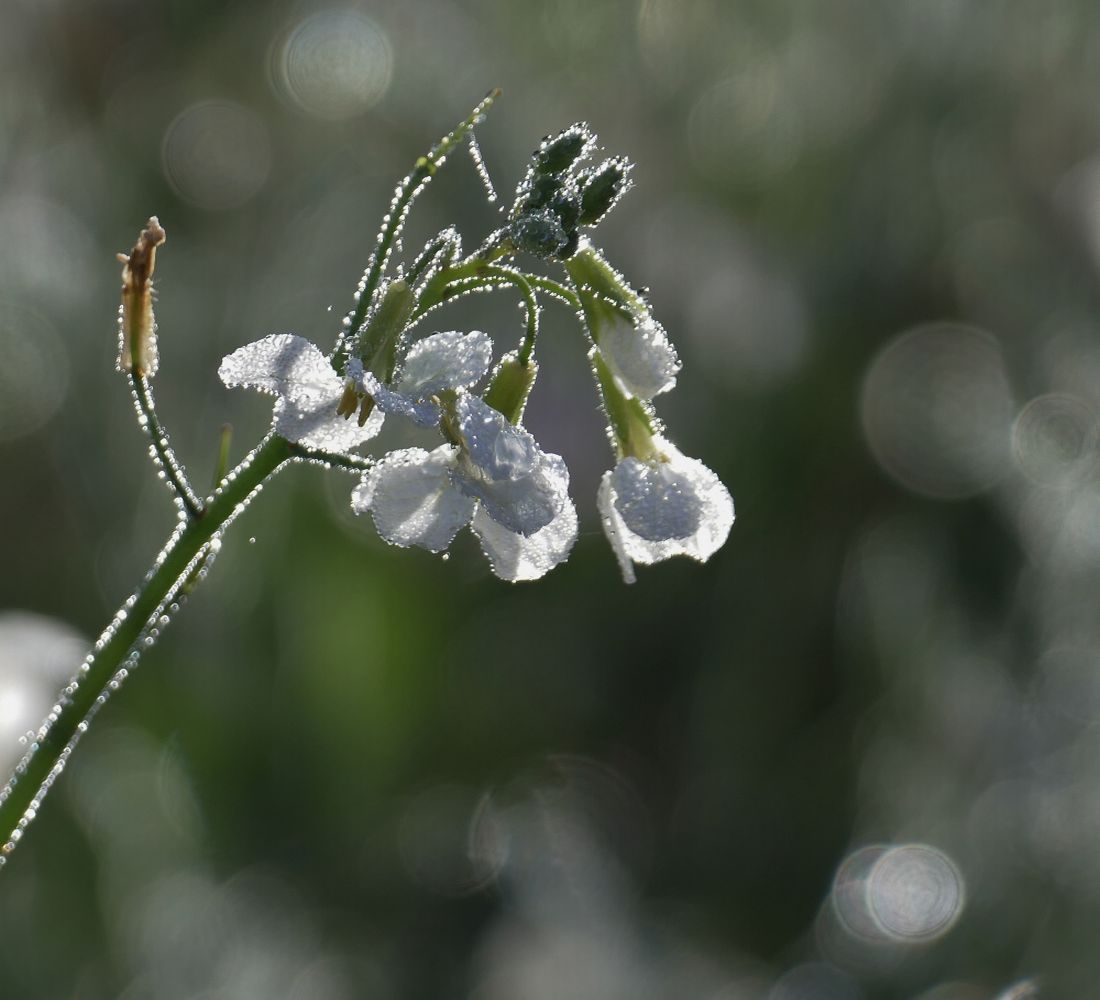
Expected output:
{"points": [[530, 304], [555, 290], [174, 474], [350, 463], [404, 196]]}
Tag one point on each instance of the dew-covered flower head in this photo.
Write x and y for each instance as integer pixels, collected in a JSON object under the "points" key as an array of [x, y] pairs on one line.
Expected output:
{"points": [[668, 505]]}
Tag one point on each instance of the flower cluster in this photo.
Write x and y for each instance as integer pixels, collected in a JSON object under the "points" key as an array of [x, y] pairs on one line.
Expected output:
{"points": [[488, 472]]}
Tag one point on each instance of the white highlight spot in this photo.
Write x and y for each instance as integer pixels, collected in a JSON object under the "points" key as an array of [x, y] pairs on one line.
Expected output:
{"points": [[1054, 440], [937, 410], [335, 64], [216, 154], [34, 377], [914, 893]]}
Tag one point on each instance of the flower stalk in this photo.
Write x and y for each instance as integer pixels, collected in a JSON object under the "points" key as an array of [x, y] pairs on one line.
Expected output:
{"points": [[121, 644]]}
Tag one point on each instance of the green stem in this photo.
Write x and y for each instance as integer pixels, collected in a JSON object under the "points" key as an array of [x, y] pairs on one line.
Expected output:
{"points": [[552, 288], [124, 639], [631, 423], [427, 257], [163, 455], [351, 463], [403, 198], [530, 305]]}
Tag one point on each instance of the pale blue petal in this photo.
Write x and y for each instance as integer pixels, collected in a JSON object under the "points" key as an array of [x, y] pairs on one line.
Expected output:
{"points": [[410, 496], [444, 361], [661, 511], [496, 447], [518, 557], [424, 413]]}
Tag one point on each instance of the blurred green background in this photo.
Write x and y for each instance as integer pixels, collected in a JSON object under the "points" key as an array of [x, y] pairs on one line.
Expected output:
{"points": [[853, 756]]}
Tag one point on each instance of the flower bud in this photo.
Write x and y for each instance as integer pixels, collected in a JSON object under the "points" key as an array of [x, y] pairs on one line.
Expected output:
{"points": [[568, 211], [539, 233], [378, 342], [536, 192], [556, 155], [510, 386], [631, 342], [602, 188]]}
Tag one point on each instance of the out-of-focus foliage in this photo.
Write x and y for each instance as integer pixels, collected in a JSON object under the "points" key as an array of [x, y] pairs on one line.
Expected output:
{"points": [[853, 756]]}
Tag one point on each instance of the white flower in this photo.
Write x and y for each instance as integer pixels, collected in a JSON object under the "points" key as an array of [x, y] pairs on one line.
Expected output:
{"points": [[668, 506], [307, 388], [638, 352], [513, 495], [437, 363]]}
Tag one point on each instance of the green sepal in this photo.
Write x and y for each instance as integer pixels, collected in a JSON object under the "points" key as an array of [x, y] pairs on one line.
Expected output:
{"points": [[510, 386], [632, 422], [378, 344]]}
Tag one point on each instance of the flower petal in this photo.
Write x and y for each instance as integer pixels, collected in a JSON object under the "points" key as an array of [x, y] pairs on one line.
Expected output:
{"points": [[518, 557], [282, 364], [444, 361], [425, 414], [611, 528], [524, 505], [308, 388], [641, 507], [411, 499], [657, 500], [314, 422], [496, 447], [522, 487], [640, 355]]}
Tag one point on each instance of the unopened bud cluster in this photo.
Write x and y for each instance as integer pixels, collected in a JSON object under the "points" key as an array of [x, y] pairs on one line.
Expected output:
{"points": [[559, 196]]}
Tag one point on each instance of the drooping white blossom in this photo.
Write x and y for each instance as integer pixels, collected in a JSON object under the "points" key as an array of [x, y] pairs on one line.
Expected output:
{"points": [[667, 506], [513, 495], [638, 352], [443, 361], [307, 391]]}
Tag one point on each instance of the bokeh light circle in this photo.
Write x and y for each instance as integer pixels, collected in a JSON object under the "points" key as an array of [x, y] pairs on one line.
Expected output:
{"points": [[1054, 439], [937, 410], [914, 892], [34, 377], [334, 64], [216, 154], [849, 892]]}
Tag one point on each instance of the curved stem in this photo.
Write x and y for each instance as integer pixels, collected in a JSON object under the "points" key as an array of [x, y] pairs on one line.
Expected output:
{"points": [[530, 305], [162, 453], [120, 646], [555, 290]]}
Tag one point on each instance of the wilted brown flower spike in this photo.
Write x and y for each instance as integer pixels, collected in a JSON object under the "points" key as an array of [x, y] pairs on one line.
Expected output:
{"points": [[138, 344]]}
